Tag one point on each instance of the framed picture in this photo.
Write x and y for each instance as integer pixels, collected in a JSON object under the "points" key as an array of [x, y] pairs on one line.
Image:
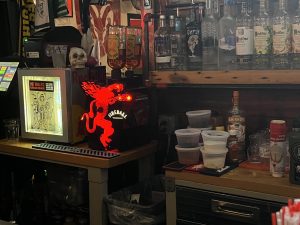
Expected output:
{"points": [[134, 20]]}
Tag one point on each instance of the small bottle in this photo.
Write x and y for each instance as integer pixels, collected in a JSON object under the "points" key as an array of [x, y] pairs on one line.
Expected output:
{"points": [[227, 39], [262, 38], [162, 45], [194, 44], [244, 38], [178, 41], [281, 37], [296, 39], [209, 28], [236, 120]]}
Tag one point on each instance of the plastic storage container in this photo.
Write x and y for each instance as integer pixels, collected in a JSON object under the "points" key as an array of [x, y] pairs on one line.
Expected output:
{"points": [[188, 156], [214, 159], [199, 118], [214, 136], [188, 138], [141, 204]]}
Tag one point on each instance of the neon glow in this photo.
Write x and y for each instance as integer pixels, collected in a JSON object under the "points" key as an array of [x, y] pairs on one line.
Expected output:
{"points": [[103, 98]]}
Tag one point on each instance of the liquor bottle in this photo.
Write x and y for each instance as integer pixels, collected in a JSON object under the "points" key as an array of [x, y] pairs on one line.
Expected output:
{"points": [[193, 35], [226, 31], [235, 153], [209, 27], [262, 38], [236, 120], [162, 45], [281, 37], [244, 38], [178, 41], [296, 39]]}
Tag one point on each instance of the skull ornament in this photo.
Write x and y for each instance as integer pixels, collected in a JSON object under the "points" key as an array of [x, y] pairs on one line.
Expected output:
{"points": [[77, 57]]}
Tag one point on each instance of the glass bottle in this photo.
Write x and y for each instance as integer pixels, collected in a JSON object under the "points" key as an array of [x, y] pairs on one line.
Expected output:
{"points": [[235, 154], [296, 39], [193, 35], [236, 120], [116, 55], [262, 38], [162, 45], [227, 27], [209, 27], [281, 37], [244, 38], [178, 41]]}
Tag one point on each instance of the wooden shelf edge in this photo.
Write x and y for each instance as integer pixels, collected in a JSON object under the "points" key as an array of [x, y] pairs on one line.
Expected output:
{"points": [[245, 77]]}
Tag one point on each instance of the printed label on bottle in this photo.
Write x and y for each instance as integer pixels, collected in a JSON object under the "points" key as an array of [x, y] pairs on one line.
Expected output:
{"points": [[130, 47], [281, 39], [277, 158], [237, 123], [262, 40], [113, 47], [244, 41], [193, 42], [296, 38]]}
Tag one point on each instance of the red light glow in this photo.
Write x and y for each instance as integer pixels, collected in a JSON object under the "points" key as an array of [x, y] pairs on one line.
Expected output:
{"points": [[103, 98]]}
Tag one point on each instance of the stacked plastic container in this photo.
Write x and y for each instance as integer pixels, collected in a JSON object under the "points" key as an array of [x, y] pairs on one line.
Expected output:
{"points": [[214, 148], [188, 148]]}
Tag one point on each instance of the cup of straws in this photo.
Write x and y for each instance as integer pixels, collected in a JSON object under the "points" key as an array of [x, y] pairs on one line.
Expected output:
{"points": [[288, 215]]}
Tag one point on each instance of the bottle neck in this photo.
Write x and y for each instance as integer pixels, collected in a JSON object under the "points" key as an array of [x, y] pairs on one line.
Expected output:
{"points": [[227, 9], [162, 22], [282, 5], [209, 8], [244, 8], [172, 24], [262, 7]]}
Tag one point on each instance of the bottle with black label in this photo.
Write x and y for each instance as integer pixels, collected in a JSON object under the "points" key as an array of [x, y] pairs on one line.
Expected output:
{"points": [[294, 152]]}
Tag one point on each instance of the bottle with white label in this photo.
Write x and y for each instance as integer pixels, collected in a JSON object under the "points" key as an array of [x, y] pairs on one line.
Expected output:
{"points": [[281, 37], [244, 38], [262, 38], [296, 39], [226, 31]]}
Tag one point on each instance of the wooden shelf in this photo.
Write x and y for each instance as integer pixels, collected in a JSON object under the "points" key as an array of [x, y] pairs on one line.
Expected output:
{"points": [[242, 77]]}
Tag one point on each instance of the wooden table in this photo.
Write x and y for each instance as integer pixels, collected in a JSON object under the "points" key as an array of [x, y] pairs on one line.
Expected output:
{"points": [[97, 168], [240, 181]]}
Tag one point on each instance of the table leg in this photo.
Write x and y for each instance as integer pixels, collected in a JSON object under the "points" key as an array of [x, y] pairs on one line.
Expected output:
{"points": [[146, 167], [97, 191]]}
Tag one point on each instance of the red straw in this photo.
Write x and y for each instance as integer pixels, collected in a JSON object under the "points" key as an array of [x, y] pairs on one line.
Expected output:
{"points": [[274, 222]]}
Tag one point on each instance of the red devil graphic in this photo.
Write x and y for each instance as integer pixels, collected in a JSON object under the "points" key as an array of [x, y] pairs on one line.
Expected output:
{"points": [[103, 98]]}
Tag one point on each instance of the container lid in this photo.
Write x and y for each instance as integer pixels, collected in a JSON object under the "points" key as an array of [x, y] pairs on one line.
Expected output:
{"points": [[198, 112], [188, 131]]}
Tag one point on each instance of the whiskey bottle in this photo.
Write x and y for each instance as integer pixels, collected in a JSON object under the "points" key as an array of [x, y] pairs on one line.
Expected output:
{"points": [[209, 27], [193, 35], [281, 37], [226, 31], [262, 38], [178, 41], [236, 120], [244, 38], [296, 39], [162, 45]]}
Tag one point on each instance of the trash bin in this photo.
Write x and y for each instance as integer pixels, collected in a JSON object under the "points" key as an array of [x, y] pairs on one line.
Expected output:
{"points": [[140, 204]]}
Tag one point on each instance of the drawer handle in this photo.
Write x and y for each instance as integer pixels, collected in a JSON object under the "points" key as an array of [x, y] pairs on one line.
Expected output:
{"points": [[233, 209]]}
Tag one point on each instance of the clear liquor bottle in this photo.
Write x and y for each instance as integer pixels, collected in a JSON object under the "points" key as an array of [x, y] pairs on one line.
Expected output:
{"points": [[193, 36], [244, 37], [296, 39], [262, 38], [281, 37], [226, 32], [162, 45], [236, 120], [209, 28], [178, 40]]}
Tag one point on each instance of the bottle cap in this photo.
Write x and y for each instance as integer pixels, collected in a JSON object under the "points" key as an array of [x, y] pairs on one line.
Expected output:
{"points": [[162, 17], [171, 17]]}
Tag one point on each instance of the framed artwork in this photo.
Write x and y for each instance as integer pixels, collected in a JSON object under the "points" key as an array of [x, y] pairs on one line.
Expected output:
{"points": [[134, 20]]}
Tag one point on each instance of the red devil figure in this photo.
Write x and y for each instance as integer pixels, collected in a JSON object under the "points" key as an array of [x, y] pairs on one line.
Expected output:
{"points": [[103, 98]]}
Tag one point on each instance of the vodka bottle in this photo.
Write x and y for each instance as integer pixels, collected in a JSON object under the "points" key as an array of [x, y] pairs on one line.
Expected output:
{"points": [[236, 120], [262, 38], [296, 39], [281, 37], [178, 41], [162, 45], [209, 27], [193, 35], [244, 38], [227, 26]]}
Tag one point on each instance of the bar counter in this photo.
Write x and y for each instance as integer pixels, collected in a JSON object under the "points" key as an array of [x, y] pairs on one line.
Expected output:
{"points": [[97, 167]]}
